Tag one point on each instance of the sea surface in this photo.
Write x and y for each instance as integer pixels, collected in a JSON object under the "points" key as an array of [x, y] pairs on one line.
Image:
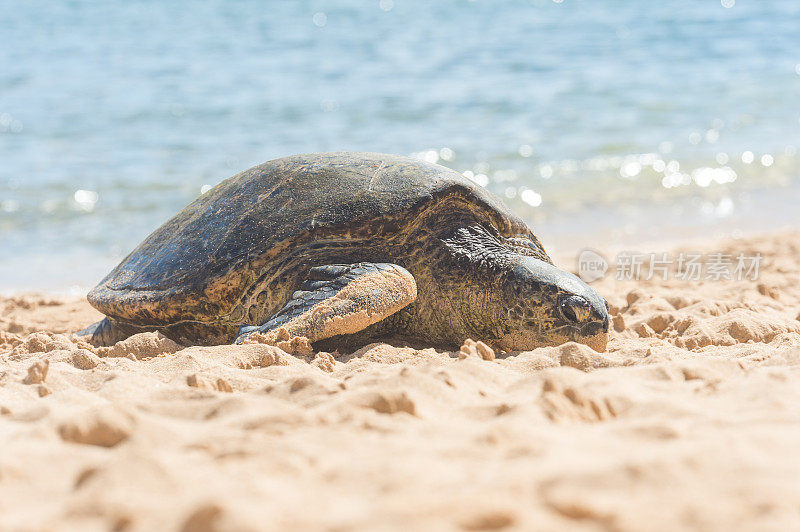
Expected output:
{"points": [[599, 121]]}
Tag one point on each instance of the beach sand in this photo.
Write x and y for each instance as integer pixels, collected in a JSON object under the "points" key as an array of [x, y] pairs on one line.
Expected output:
{"points": [[690, 420]]}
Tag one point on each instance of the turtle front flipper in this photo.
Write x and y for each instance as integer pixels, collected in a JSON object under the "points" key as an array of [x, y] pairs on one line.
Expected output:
{"points": [[340, 299]]}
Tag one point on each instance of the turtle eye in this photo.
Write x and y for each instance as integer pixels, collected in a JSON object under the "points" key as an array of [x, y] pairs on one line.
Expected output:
{"points": [[575, 309]]}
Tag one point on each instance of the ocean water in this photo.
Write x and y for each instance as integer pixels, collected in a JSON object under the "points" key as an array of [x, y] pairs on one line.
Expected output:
{"points": [[597, 120]]}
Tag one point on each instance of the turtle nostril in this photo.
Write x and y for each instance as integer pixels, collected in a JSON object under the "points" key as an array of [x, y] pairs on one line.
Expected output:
{"points": [[575, 309]]}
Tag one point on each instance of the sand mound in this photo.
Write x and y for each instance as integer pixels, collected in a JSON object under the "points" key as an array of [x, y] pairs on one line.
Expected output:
{"points": [[689, 420], [142, 345]]}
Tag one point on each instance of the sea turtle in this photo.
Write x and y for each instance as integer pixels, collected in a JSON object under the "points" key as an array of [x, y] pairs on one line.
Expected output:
{"points": [[351, 247]]}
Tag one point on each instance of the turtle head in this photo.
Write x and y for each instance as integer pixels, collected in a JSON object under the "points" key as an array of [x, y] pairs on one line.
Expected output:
{"points": [[545, 305]]}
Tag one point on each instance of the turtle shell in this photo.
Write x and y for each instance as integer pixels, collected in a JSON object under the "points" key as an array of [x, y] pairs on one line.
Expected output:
{"points": [[198, 265]]}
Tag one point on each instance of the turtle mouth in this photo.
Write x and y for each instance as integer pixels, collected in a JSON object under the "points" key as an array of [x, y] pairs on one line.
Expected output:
{"points": [[593, 328], [579, 332], [594, 334]]}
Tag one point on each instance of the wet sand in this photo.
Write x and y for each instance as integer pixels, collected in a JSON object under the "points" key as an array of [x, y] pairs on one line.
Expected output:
{"points": [[691, 419]]}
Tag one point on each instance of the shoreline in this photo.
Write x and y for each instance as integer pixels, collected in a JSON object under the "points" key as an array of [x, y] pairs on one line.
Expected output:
{"points": [[564, 234], [690, 420]]}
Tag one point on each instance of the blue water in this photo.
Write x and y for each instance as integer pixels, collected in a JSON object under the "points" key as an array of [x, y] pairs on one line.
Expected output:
{"points": [[594, 119]]}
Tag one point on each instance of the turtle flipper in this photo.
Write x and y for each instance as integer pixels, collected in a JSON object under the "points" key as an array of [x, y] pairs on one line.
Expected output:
{"points": [[104, 333], [341, 299]]}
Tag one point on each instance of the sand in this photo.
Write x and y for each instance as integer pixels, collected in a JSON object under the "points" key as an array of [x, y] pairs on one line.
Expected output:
{"points": [[691, 420]]}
